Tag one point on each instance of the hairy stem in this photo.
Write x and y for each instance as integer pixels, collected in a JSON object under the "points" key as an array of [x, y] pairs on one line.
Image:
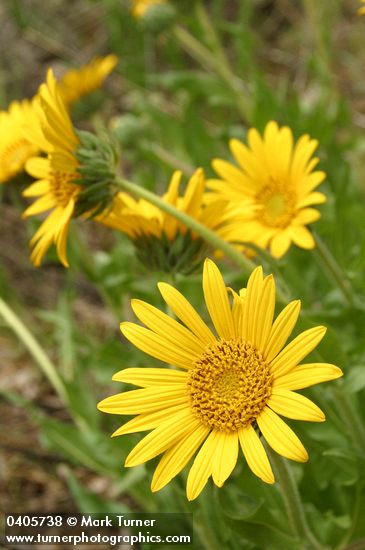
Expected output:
{"points": [[213, 63], [352, 420], [334, 271], [293, 504]]}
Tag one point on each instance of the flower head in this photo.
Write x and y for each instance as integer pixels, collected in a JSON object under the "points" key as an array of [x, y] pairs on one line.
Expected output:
{"points": [[228, 389], [161, 241], [15, 149], [66, 186], [79, 82], [279, 180], [361, 11], [140, 7], [57, 173]]}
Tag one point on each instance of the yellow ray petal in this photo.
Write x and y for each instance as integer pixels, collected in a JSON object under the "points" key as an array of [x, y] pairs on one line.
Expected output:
{"points": [[168, 328], [157, 346], [249, 163], [281, 329], [170, 224], [144, 400], [224, 457], [148, 421], [280, 437], [40, 249], [228, 172], [150, 377], [280, 244], [186, 313], [174, 460], [313, 180], [253, 294], [255, 454], [48, 226], [312, 198], [307, 375], [38, 167], [161, 438], [216, 299], [265, 312], [237, 312], [302, 237], [307, 215], [40, 187], [192, 199], [201, 468], [61, 243], [62, 232], [258, 145], [46, 202], [293, 405], [299, 348]]}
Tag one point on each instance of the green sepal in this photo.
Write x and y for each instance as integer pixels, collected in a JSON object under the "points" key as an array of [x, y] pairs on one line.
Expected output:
{"points": [[98, 157], [181, 255]]}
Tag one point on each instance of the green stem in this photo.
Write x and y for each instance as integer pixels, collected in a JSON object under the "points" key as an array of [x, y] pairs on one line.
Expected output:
{"points": [[47, 367], [204, 232], [293, 504], [223, 66], [333, 269], [215, 62], [352, 420], [321, 54], [355, 517]]}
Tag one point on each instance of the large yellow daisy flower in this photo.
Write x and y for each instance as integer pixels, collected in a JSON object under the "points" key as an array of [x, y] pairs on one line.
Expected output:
{"points": [[361, 11], [79, 82], [278, 178], [57, 173], [228, 389], [140, 7], [15, 149]]}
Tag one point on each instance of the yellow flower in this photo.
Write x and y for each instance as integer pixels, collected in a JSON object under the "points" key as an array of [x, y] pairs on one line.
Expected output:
{"points": [[162, 242], [228, 389], [15, 149], [56, 173], [140, 7], [361, 11], [141, 218], [79, 82], [279, 180]]}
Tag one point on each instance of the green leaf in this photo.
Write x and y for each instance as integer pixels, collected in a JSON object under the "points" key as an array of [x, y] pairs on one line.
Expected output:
{"points": [[67, 439], [239, 505], [89, 502], [355, 379], [264, 535]]}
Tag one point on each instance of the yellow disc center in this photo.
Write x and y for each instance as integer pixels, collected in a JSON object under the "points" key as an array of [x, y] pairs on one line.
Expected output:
{"points": [[63, 187], [229, 384], [277, 204]]}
